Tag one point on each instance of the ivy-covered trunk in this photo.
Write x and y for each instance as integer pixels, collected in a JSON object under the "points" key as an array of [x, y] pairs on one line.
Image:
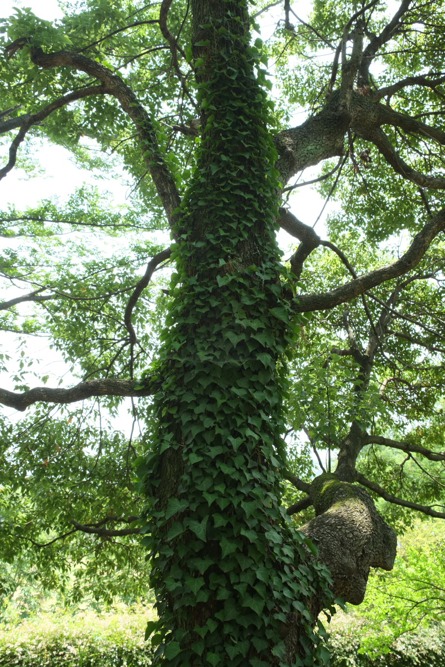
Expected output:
{"points": [[235, 584]]}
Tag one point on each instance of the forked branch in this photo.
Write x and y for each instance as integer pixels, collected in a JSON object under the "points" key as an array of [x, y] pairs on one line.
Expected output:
{"points": [[362, 284]]}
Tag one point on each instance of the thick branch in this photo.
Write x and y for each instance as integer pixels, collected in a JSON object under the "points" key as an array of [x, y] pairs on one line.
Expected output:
{"points": [[425, 509], [381, 141], [297, 482], [307, 235], [350, 534], [297, 229], [319, 138], [299, 506], [81, 391], [160, 173], [12, 123], [35, 297], [100, 530], [404, 447], [351, 290]]}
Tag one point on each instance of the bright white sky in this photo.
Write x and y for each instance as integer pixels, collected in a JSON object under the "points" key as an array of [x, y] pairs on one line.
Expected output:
{"points": [[46, 9]]}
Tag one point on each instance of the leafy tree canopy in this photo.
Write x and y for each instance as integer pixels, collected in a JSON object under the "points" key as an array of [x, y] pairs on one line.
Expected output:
{"points": [[348, 330]]}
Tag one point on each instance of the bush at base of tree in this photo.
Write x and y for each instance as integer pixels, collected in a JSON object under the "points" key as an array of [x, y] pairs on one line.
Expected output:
{"points": [[116, 639], [425, 648], [79, 640]]}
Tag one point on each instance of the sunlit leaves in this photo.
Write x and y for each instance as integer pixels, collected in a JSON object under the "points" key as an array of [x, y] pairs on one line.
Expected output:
{"points": [[409, 598]]}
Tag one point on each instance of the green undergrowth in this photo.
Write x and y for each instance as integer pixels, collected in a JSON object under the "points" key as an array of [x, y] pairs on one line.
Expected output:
{"points": [[116, 639], [82, 639], [422, 648]]}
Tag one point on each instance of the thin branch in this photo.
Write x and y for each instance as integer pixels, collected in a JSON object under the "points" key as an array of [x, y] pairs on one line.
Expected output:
{"points": [[159, 171], [314, 30], [42, 545], [408, 318], [136, 24], [417, 341], [76, 223], [420, 80], [342, 44], [36, 118], [101, 531], [173, 44], [114, 85], [152, 265], [381, 329], [265, 9], [379, 40], [319, 179]]}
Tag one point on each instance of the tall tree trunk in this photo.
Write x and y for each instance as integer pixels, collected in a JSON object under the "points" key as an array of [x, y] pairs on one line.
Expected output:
{"points": [[235, 584]]}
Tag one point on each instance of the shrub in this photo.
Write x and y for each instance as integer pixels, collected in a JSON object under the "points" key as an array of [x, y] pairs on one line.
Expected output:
{"points": [[116, 639], [77, 640], [425, 648]]}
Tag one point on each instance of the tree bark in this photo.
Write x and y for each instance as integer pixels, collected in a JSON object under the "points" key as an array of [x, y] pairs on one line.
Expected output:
{"points": [[350, 534]]}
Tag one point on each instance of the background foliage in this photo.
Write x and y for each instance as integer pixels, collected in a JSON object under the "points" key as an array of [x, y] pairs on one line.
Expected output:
{"points": [[70, 267]]}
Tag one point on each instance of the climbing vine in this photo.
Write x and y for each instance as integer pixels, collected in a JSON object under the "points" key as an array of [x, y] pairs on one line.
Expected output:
{"points": [[234, 582]]}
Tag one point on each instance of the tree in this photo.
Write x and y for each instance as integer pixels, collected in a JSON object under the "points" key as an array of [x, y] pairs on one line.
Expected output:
{"points": [[410, 599], [190, 118]]}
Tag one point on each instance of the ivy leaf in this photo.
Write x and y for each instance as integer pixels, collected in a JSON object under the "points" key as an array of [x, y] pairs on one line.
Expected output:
{"points": [[199, 528], [175, 506], [228, 547], [172, 650]]}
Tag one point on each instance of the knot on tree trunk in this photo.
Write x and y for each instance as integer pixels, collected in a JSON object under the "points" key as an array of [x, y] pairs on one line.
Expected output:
{"points": [[350, 534]]}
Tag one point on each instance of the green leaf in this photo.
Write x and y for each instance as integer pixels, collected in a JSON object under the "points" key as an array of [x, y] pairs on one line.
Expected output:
{"points": [[194, 584], [175, 506], [176, 529], [172, 650], [255, 603], [228, 547], [199, 528]]}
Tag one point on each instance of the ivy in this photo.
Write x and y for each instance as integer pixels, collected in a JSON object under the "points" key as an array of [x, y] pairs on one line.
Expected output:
{"points": [[226, 563]]}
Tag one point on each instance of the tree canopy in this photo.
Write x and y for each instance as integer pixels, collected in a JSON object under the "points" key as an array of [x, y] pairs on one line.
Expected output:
{"points": [[183, 330]]}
